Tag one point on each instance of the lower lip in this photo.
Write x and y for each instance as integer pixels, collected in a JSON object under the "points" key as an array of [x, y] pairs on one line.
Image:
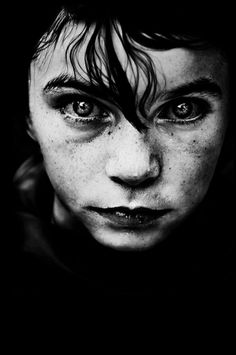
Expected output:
{"points": [[124, 220]]}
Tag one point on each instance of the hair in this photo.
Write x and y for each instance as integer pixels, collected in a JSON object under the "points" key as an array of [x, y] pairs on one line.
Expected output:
{"points": [[138, 27], [103, 67]]}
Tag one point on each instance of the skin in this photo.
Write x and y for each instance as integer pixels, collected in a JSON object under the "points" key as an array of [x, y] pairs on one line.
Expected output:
{"points": [[108, 166]]}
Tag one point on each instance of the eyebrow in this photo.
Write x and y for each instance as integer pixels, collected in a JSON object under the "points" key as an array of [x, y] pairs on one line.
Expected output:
{"points": [[67, 81], [202, 85]]}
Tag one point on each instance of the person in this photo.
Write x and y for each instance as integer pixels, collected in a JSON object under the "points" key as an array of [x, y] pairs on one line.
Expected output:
{"points": [[127, 183]]}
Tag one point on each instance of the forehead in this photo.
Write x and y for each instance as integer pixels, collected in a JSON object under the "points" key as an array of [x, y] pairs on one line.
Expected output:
{"points": [[172, 66]]}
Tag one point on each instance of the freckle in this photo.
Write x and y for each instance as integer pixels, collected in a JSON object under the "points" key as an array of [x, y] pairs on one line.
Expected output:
{"points": [[172, 133], [109, 133], [194, 141]]}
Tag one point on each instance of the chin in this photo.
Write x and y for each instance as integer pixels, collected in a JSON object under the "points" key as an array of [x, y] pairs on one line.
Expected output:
{"points": [[129, 240]]}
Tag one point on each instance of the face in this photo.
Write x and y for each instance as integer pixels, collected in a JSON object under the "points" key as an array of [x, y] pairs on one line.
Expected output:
{"points": [[130, 189]]}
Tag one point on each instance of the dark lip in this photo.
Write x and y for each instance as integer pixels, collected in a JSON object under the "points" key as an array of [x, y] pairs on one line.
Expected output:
{"points": [[130, 218]]}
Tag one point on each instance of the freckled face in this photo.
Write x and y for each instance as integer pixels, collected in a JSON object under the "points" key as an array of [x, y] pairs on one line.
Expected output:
{"points": [[97, 161]]}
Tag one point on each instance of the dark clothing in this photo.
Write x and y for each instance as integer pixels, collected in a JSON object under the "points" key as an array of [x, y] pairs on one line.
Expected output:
{"points": [[194, 266]]}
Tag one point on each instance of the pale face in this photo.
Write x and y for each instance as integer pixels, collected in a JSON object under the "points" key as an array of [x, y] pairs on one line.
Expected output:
{"points": [[102, 168]]}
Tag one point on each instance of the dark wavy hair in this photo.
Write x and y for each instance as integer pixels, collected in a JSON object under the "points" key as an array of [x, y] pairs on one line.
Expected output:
{"points": [[140, 25], [135, 31]]}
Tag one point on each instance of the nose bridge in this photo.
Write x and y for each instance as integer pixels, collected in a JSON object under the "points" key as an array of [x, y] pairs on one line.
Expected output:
{"points": [[134, 148], [132, 159]]}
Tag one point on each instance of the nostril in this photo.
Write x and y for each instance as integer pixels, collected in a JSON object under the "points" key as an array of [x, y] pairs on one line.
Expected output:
{"points": [[136, 183]]}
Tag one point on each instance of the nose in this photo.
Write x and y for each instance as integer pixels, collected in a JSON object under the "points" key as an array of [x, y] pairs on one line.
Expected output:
{"points": [[134, 161]]}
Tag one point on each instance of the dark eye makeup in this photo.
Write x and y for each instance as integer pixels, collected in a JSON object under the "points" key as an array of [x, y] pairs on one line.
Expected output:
{"points": [[78, 110], [184, 110]]}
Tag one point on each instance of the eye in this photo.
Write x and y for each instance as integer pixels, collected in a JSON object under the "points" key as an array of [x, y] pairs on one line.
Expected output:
{"points": [[82, 110], [184, 110]]}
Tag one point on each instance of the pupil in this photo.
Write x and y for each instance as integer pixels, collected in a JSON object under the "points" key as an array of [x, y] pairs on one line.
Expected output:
{"points": [[82, 108], [183, 109]]}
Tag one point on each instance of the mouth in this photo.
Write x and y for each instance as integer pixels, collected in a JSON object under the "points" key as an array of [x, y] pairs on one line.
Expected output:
{"points": [[125, 217]]}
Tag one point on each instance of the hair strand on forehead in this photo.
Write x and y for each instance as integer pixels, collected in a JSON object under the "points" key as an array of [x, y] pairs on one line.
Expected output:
{"points": [[102, 65]]}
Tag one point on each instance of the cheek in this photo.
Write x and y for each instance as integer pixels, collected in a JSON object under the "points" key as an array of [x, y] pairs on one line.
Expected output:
{"points": [[191, 158], [197, 174], [194, 168], [63, 151], [73, 168]]}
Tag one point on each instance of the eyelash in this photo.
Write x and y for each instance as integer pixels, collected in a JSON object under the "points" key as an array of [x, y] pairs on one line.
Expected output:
{"points": [[201, 106], [64, 101]]}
